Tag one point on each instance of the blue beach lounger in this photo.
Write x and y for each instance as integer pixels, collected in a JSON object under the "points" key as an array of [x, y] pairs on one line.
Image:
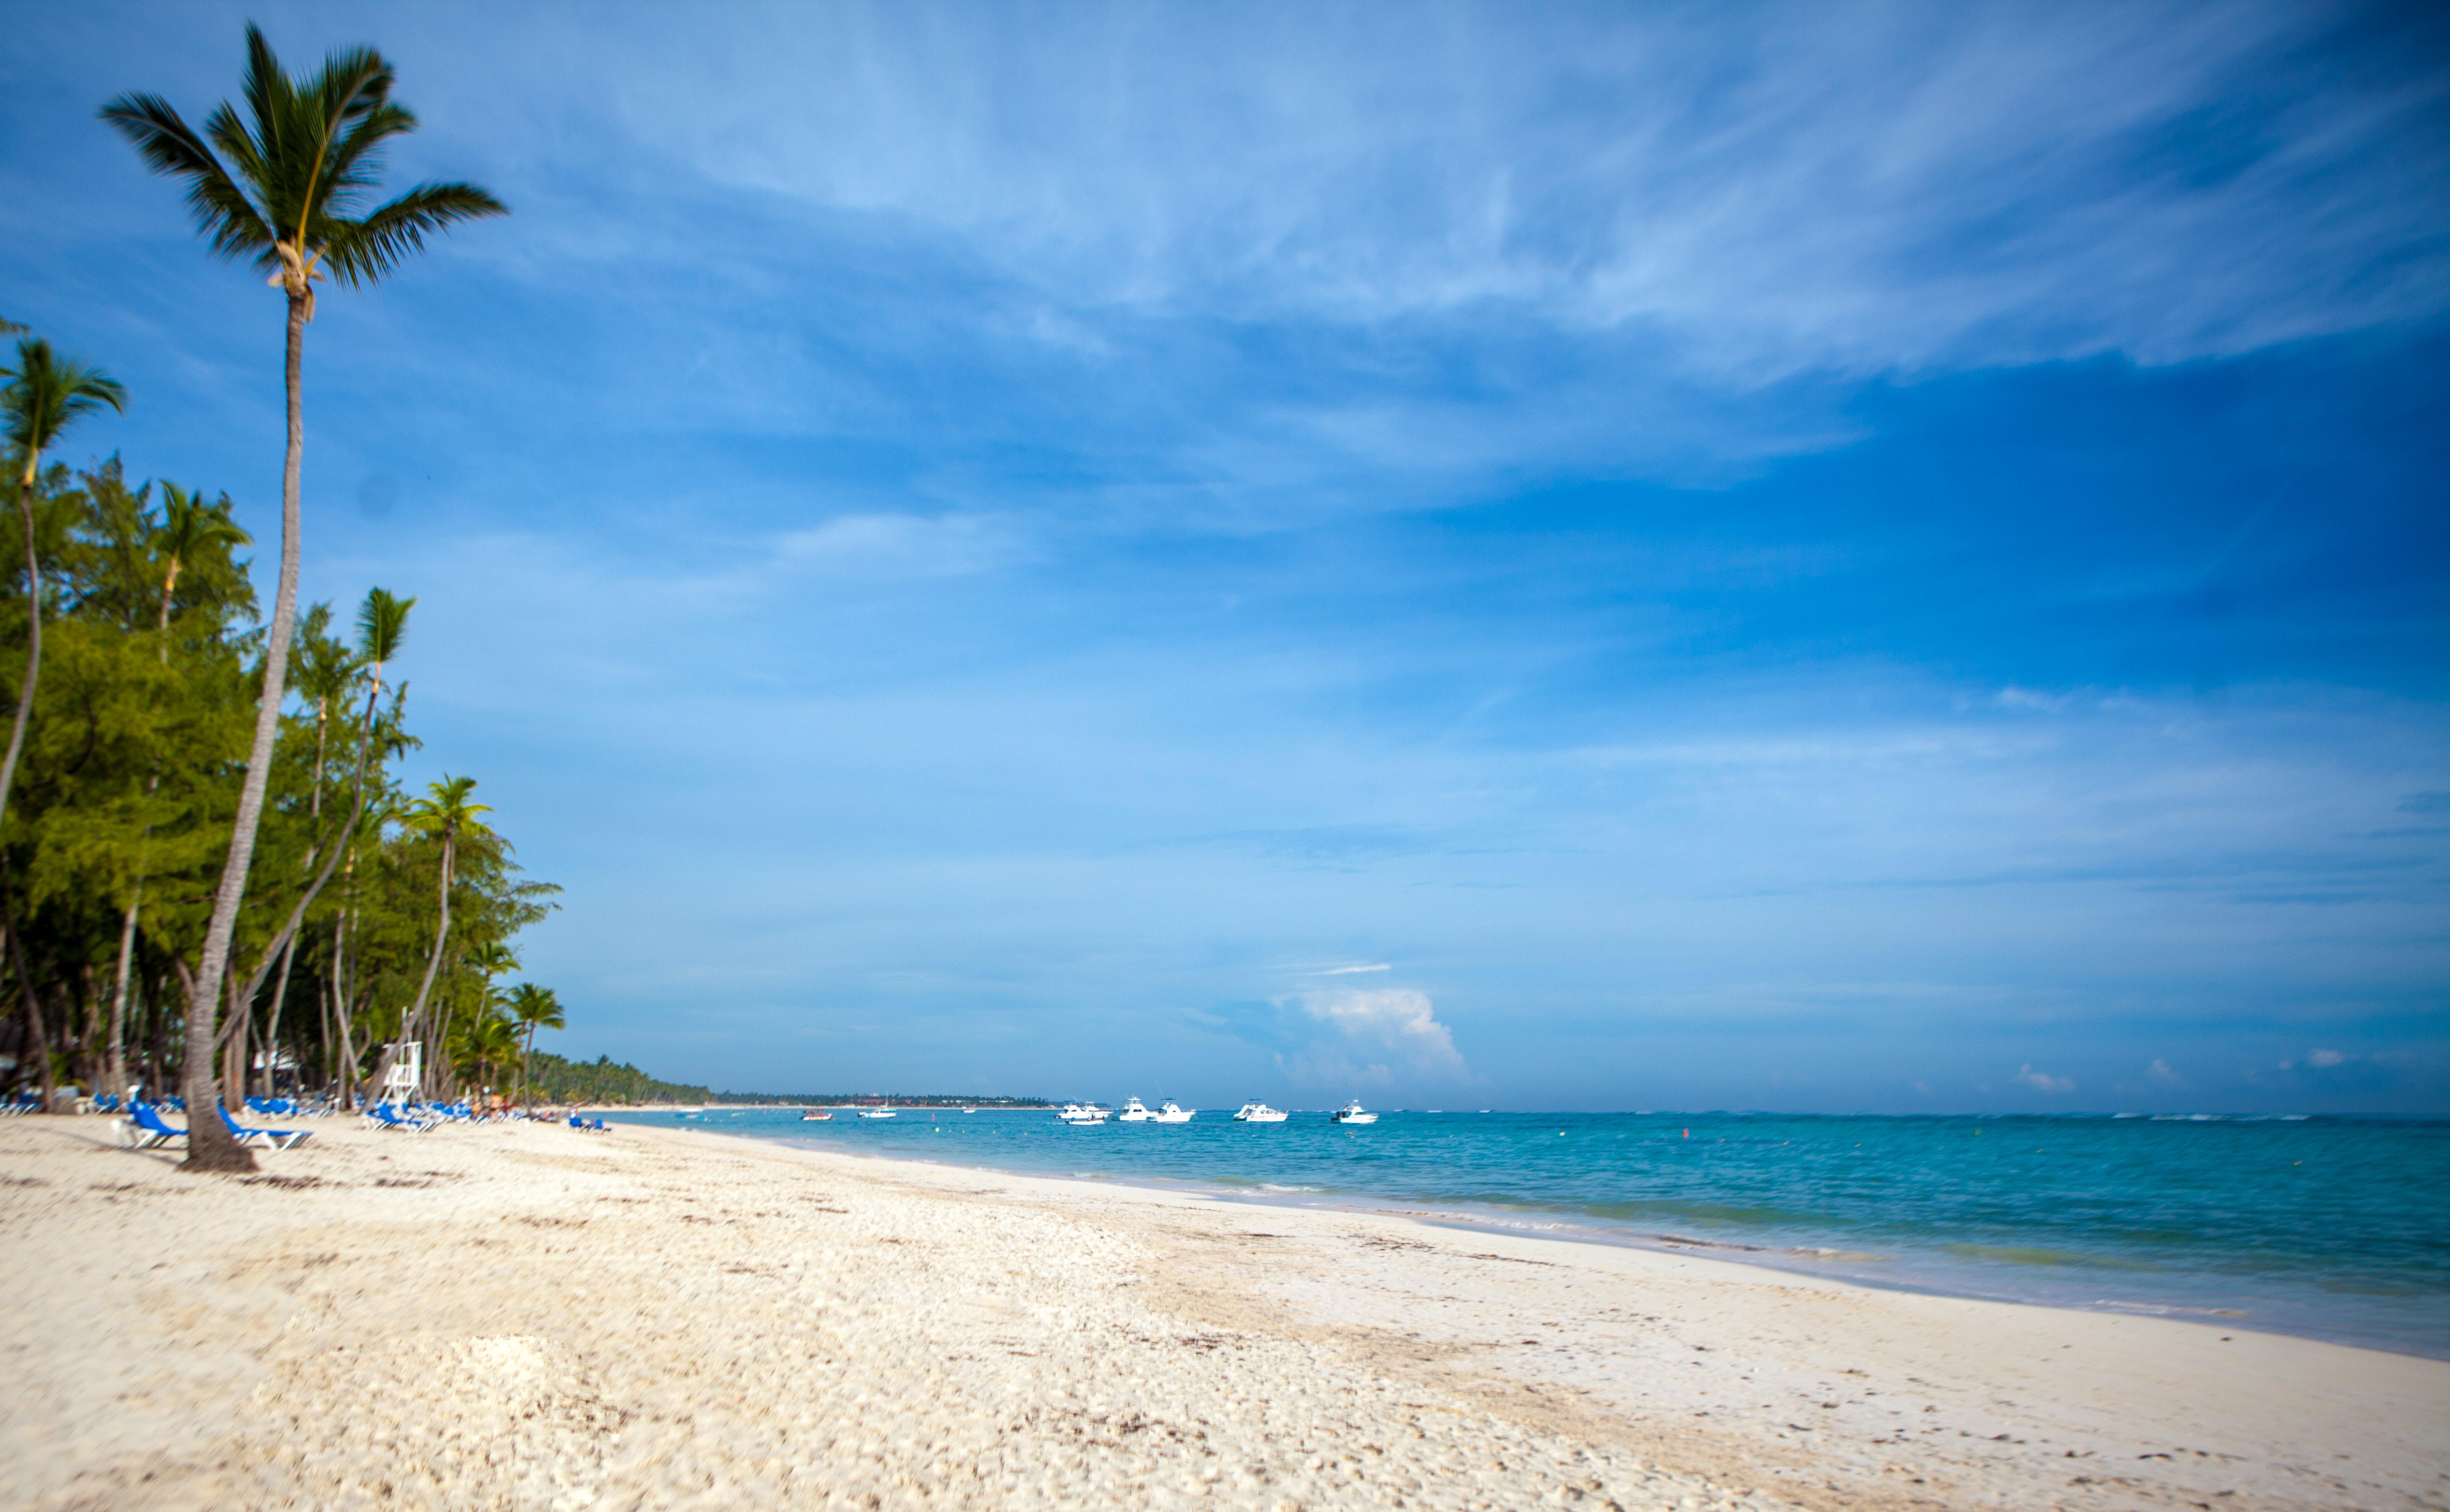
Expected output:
{"points": [[146, 1126], [278, 1138]]}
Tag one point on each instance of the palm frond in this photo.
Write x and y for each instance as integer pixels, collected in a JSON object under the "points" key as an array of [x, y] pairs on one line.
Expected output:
{"points": [[45, 394], [170, 147], [352, 92], [372, 247], [356, 158], [290, 172]]}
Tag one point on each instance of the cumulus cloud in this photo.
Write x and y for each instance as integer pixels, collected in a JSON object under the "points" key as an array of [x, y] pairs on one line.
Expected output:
{"points": [[1372, 1036], [2043, 1080]]}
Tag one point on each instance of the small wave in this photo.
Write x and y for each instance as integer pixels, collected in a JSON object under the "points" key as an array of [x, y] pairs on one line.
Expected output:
{"points": [[2035, 1255], [2163, 1308]]}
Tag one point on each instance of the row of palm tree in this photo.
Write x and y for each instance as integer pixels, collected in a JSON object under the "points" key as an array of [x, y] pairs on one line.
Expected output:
{"points": [[283, 180]]}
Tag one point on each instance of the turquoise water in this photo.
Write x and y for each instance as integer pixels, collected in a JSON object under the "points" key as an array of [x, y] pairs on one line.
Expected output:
{"points": [[2334, 1228]]}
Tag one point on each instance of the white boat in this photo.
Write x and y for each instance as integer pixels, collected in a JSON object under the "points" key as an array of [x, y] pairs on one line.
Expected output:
{"points": [[1167, 1113], [1257, 1113], [815, 1116], [1133, 1111], [1082, 1113], [1351, 1113], [876, 1112]]}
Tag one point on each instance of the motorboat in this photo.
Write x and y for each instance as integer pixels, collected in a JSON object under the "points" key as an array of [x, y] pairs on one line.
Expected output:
{"points": [[1082, 1113], [877, 1113], [1257, 1113], [1133, 1111], [1351, 1113], [815, 1116], [1167, 1113]]}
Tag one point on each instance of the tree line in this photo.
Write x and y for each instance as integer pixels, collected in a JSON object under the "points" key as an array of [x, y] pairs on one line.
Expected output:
{"points": [[604, 1079], [210, 874]]}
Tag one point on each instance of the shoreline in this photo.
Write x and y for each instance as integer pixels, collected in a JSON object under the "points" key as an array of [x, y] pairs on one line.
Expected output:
{"points": [[1787, 1261], [526, 1315]]}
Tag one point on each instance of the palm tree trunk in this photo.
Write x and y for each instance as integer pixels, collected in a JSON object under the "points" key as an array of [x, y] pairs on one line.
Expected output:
{"points": [[272, 1030], [441, 931], [214, 1149], [114, 1061], [37, 1041], [34, 640]]}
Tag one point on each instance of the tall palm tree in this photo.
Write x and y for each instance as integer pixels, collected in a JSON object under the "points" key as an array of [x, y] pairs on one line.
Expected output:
{"points": [[189, 527], [283, 189], [448, 816], [535, 1008], [44, 397]]}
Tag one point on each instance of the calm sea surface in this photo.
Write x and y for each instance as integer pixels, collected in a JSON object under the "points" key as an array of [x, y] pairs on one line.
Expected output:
{"points": [[2335, 1228]]}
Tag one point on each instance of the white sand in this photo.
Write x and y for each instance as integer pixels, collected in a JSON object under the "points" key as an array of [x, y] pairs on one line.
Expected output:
{"points": [[529, 1317]]}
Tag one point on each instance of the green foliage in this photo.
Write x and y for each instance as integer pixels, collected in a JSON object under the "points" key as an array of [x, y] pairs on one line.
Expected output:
{"points": [[278, 186], [604, 1080], [136, 744]]}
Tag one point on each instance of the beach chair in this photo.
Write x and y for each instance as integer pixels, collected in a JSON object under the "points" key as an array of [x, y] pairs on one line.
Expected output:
{"points": [[146, 1130], [278, 1138], [383, 1115]]}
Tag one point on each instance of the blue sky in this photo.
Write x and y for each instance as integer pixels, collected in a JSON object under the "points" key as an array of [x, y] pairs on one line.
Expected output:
{"points": [[1822, 558]]}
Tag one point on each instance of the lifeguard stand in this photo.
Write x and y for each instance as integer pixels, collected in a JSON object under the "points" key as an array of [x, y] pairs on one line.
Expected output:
{"points": [[407, 1071]]}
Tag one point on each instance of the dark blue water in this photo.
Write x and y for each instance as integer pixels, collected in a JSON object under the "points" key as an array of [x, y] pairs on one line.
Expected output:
{"points": [[2334, 1228]]}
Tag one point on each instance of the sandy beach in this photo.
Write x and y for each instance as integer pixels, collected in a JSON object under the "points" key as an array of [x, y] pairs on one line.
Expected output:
{"points": [[529, 1317]]}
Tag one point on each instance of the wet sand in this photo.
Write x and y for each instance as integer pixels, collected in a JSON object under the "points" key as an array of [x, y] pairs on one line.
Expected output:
{"points": [[529, 1317]]}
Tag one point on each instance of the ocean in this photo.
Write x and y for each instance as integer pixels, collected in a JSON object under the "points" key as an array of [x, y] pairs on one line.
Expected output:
{"points": [[2331, 1228]]}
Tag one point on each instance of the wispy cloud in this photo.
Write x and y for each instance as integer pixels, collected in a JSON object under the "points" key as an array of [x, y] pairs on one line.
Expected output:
{"points": [[2043, 1081], [1855, 187]]}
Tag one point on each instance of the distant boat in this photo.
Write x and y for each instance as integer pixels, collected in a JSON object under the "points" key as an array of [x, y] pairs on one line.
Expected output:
{"points": [[815, 1116], [1170, 1113], [1351, 1113], [1257, 1113], [877, 1113], [1085, 1114], [1133, 1111]]}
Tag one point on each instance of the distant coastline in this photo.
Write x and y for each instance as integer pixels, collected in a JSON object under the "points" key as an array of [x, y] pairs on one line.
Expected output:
{"points": [[858, 1099]]}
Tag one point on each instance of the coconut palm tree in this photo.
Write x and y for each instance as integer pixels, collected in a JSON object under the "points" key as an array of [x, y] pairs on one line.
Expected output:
{"points": [[45, 394], [284, 188], [189, 527], [535, 1008], [448, 816]]}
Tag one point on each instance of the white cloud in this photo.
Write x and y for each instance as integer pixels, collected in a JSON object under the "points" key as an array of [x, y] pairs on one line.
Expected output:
{"points": [[1346, 971], [1377, 1034], [2327, 1057], [2043, 1081], [900, 546], [2159, 1071], [1857, 187]]}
